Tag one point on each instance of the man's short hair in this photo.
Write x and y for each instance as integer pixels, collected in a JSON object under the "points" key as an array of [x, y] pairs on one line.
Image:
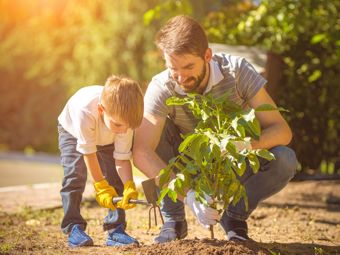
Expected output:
{"points": [[182, 35], [122, 97]]}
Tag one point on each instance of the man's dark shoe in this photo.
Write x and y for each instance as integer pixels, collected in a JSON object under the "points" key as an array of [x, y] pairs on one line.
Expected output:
{"points": [[236, 230], [77, 237], [118, 237], [172, 230]]}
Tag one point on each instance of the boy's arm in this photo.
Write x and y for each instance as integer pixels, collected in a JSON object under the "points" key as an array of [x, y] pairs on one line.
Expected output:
{"points": [[124, 170], [92, 164], [104, 192]]}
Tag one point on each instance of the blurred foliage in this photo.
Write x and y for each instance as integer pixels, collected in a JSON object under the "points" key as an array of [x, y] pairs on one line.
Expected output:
{"points": [[306, 34], [49, 49]]}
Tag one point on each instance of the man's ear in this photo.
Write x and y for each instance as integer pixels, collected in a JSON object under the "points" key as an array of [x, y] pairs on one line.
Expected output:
{"points": [[208, 55], [100, 108]]}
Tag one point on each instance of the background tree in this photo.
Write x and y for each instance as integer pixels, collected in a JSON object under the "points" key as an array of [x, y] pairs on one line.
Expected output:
{"points": [[49, 49], [306, 35]]}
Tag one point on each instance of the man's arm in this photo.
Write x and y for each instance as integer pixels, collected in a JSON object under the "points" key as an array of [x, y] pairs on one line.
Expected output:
{"points": [[275, 130], [146, 139]]}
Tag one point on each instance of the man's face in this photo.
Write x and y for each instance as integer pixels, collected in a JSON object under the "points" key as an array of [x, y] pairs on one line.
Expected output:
{"points": [[189, 71]]}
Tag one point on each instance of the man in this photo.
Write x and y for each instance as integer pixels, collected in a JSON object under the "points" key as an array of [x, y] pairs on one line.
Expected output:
{"points": [[191, 67]]}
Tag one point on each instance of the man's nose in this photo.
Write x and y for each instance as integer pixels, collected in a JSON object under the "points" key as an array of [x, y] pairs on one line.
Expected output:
{"points": [[181, 77]]}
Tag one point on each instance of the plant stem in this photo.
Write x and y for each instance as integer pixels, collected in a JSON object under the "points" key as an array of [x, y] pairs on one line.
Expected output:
{"points": [[211, 228]]}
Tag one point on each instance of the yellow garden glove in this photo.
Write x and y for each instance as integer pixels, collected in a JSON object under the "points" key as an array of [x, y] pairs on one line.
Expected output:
{"points": [[130, 192], [104, 194]]}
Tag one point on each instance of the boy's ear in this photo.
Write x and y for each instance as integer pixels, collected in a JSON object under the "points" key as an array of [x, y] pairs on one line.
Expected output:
{"points": [[208, 55], [100, 108]]}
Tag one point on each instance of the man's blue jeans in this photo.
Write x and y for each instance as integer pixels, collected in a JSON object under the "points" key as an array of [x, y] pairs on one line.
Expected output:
{"points": [[74, 181], [271, 178]]}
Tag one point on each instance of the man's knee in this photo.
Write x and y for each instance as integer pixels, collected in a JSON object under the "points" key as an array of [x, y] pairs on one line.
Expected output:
{"points": [[285, 161]]}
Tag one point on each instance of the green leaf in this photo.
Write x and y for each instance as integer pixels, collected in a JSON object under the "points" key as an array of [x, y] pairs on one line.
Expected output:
{"points": [[232, 188], [249, 116], [251, 124], [238, 195], [204, 115], [254, 162], [193, 141], [241, 166], [148, 16], [191, 168], [252, 129], [231, 149], [162, 194], [315, 75], [318, 38], [239, 129], [245, 198], [176, 101], [265, 154], [223, 143], [269, 107], [179, 184], [173, 195], [212, 137], [164, 175]]}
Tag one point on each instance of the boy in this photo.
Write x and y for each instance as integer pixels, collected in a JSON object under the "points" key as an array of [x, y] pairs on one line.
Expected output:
{"points": [[95, 133]]}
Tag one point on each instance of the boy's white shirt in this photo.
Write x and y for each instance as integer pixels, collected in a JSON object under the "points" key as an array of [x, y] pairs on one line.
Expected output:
{"points": [[80, 117]]}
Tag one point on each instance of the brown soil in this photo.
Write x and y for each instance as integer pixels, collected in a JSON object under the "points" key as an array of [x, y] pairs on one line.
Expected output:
{"points": [[304, 218]]}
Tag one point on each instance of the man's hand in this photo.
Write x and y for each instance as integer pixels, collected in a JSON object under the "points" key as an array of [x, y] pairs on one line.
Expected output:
{"points": [[130, 192], [104, 194], [206, 216]]}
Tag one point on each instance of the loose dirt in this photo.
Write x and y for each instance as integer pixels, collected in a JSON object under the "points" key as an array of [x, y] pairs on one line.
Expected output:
{"points": [[304, 218]]}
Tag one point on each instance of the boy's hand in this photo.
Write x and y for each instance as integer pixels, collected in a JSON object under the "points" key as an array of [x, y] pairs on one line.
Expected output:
{"points": [[130, 192], [104, 194]]}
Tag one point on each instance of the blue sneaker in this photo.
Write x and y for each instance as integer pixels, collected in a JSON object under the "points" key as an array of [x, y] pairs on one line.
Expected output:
{"points": [[77, 237], [118, 237]]}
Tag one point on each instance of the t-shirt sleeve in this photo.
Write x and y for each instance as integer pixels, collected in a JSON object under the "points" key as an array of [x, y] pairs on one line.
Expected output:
{"points": [[123, 144], [155, 99], [249, 82], [85, 127]]}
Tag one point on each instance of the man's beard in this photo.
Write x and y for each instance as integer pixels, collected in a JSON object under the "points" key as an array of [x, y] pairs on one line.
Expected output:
{"points": [[197, 82]]}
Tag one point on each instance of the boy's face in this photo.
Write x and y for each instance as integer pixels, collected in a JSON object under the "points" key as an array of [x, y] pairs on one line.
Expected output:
{"points": [[115, 124]]}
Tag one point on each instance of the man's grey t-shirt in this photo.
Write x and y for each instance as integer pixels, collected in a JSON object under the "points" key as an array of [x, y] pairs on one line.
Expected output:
{"points": [[227, 73]]}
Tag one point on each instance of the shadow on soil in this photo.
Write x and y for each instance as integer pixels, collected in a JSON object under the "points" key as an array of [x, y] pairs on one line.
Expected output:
{"points": [[329, 207], [300, 248]]}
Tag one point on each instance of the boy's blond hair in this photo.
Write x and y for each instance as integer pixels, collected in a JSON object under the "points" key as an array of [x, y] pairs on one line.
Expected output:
{"points": [[122, 97]]}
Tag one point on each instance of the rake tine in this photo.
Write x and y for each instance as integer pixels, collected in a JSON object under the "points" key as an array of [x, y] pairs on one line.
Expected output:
{"points": [[154, 213], [149, 219], [159, 210]]}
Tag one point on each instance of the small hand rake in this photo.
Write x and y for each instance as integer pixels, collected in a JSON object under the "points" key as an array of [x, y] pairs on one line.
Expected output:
{"points": [[150, 191]]}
